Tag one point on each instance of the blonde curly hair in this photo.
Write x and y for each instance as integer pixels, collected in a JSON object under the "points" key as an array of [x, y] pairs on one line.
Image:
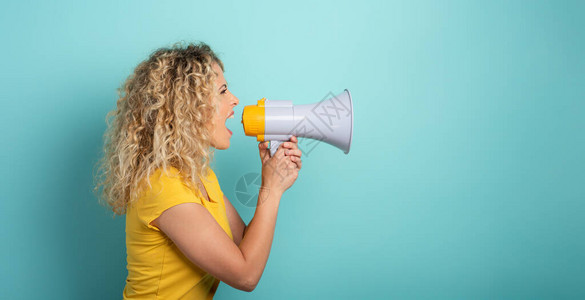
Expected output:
{"points": [[160, 122]]}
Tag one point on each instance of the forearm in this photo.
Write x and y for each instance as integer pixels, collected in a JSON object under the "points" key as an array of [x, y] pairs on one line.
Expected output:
{"points": [[259, 233]]}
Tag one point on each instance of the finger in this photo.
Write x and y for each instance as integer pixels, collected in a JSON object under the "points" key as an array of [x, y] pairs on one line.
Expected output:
{"points": [[263, 145], [297, 160], [263, 151], [290, 145], [295, 152], [292, 165], [292, 142], [284, 161]]}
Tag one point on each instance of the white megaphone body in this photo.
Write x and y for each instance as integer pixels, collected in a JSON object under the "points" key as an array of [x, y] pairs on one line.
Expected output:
{"points": [[329, 121]]}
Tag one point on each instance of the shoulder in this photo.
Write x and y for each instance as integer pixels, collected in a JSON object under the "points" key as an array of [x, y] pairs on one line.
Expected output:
{"points": [[167, 190], [167, 181], [172, 181]]}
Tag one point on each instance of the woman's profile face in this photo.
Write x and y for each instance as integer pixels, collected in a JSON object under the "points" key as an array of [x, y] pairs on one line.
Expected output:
{"points": [[220, 134]]}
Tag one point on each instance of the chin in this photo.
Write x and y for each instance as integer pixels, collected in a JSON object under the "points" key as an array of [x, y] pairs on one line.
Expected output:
{"points": [[222, 145]]}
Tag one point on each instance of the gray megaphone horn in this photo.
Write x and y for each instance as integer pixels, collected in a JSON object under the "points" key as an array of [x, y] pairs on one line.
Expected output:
{"points": [[329, 121]]}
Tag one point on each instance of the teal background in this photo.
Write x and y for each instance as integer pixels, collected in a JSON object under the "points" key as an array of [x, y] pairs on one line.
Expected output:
{"points": [[465, 178]]}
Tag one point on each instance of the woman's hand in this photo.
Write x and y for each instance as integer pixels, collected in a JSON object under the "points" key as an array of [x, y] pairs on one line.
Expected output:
{"points": [[280, 171], [293, 151]]}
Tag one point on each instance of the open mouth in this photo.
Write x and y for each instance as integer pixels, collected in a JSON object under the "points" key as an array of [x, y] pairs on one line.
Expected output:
{"points": [[230, 116]]}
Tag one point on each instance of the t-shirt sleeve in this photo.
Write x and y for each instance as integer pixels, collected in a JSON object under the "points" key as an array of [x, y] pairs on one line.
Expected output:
{"points": [[165, 193]]}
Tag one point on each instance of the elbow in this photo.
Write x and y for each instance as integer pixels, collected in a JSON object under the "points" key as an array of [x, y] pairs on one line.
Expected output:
{"points": [[248, 288], [243, 283], [247, 277], [249, 284]]}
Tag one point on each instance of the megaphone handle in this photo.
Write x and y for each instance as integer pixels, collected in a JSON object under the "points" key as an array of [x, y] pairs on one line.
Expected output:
{"points": [[274, 146]]}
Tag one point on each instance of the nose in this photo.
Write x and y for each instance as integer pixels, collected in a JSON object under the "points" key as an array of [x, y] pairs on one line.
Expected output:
{"points": [[235, 101]]}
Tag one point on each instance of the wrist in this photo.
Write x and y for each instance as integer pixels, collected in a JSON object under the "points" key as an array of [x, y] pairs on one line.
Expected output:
{"points": [[269, 193]]}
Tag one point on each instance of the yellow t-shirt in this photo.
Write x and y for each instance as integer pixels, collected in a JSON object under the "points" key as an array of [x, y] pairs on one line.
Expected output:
{"points": [[157, 269]]}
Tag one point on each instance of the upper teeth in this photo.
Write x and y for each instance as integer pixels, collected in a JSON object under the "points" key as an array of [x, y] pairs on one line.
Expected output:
{"points": [[231, 117]]}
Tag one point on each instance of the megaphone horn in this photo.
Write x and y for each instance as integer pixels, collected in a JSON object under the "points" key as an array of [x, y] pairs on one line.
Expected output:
{"points": [[329, 121]]}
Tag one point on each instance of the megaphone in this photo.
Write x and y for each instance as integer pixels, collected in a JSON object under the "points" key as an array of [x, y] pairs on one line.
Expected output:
{"points": [[329, 121]]}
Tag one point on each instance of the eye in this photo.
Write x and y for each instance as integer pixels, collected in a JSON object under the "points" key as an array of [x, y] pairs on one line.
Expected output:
{"points": [[224, 91]]}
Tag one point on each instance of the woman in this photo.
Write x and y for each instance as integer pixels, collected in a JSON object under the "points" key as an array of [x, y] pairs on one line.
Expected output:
{"points": [[182, 234]]}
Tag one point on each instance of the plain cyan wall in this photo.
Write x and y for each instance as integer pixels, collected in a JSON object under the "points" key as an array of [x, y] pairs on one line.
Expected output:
{"points": [[465, 178]]}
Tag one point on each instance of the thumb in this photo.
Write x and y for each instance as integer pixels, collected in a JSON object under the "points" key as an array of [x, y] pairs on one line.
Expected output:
{"points": [[263, 145], [263, 149]]}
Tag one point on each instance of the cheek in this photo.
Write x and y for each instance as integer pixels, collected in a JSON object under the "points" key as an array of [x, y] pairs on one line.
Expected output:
{"points": [[217, 122], [212, 124]]}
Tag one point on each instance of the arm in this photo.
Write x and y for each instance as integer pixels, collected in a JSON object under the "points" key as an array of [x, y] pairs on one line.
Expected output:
{"points": [[237, 225], [203, 241], [198, 236]]}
